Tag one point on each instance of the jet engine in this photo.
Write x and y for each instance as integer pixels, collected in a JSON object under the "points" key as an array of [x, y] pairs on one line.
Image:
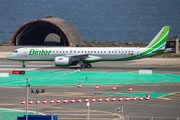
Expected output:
{"points": [[62, 61]]}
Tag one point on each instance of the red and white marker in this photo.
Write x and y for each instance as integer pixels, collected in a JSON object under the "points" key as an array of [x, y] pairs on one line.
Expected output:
{"points": [[58, 101], [30, 102], [72, 101], [120, 98], [79, 86], [107, 99], [38, 102], [96, 87], [141, 98], [79, 100], [100, 100], [23, 102], [134, 98], [113, 99], [45, 101], [114, 88], [147, 97], [52, 101], [93, 100], [65, 100], [130, 88], [86, 100], [127, 99]]}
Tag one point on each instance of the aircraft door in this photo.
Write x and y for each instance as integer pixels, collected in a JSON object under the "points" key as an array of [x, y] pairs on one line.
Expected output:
{"points": [[25, 52], [137, 51]]}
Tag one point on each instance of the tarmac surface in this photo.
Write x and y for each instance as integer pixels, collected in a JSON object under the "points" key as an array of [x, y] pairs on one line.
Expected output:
{"points": [[164, 107]]}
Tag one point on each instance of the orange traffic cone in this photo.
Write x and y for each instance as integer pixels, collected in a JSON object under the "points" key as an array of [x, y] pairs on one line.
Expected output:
{"points": [[72, 101], [147, 97], [130, 88], [113, 99], [107, 99], [65, 100], [79, 86], [93, 99], [58, 101], [127, 99], [79, 100], [52, 101], [120, 98], [100, 100], [23, 102], [141, 98], [96, 87], [134, 98], [30, 102], [86, 100], [38, 102], [114, 88], [45, 101]]}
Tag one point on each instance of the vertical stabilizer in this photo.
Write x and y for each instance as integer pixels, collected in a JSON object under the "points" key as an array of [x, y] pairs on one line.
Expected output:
{"points": [[159, 41]]}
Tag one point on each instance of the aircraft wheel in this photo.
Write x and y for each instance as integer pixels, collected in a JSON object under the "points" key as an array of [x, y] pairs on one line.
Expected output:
{"points": [[83, 66], [23, 66], [89, 65]]}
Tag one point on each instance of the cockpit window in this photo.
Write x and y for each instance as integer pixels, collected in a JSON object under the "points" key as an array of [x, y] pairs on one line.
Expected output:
{"points": [[15, 51]]}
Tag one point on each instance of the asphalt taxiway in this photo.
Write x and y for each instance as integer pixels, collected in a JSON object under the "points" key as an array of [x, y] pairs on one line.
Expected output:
{"points": [[166, 106]]}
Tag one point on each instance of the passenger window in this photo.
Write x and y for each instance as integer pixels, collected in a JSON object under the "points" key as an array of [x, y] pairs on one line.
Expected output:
{"points": [[56, 51], [104, 51], [53, 51], [66, 51], [94, 51], [97, 51], [81, 51], [70, 51], [91, 51], [125, 51], [63, 51], [122, 51], [109, 51], [74, 51], [112, 51], [119, 51], [59, 51], [85, 51], [88, 51], [115, 51], [78, 51]]}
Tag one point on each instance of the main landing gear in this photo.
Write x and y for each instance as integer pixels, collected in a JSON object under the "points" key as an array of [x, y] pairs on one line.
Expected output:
{"points": [[83, 65], [86, 66], [23, 65]]}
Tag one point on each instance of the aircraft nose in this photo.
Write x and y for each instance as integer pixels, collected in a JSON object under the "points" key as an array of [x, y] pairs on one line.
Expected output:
{"points": [[8, 56]]}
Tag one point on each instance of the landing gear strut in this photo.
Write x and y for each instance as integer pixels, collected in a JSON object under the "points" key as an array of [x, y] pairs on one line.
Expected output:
{"points": [[23, 65]]}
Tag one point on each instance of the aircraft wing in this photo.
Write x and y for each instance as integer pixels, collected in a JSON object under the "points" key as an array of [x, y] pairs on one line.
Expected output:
{"points": [[78, 55]]}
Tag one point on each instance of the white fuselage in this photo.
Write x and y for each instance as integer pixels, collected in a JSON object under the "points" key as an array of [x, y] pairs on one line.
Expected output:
{"points": [[95, 53]]}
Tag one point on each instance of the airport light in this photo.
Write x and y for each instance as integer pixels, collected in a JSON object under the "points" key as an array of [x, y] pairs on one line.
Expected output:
{"points": [[37, 92]]}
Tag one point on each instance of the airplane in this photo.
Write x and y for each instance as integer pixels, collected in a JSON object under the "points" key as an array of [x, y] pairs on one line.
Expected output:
{"points": [[84, 56]]}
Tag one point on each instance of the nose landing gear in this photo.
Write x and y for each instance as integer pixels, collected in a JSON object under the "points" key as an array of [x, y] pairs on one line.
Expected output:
{"points": [[23, 65]]}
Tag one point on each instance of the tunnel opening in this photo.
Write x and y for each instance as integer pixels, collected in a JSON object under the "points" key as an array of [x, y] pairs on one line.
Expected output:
{"points": [[40, 33]]}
